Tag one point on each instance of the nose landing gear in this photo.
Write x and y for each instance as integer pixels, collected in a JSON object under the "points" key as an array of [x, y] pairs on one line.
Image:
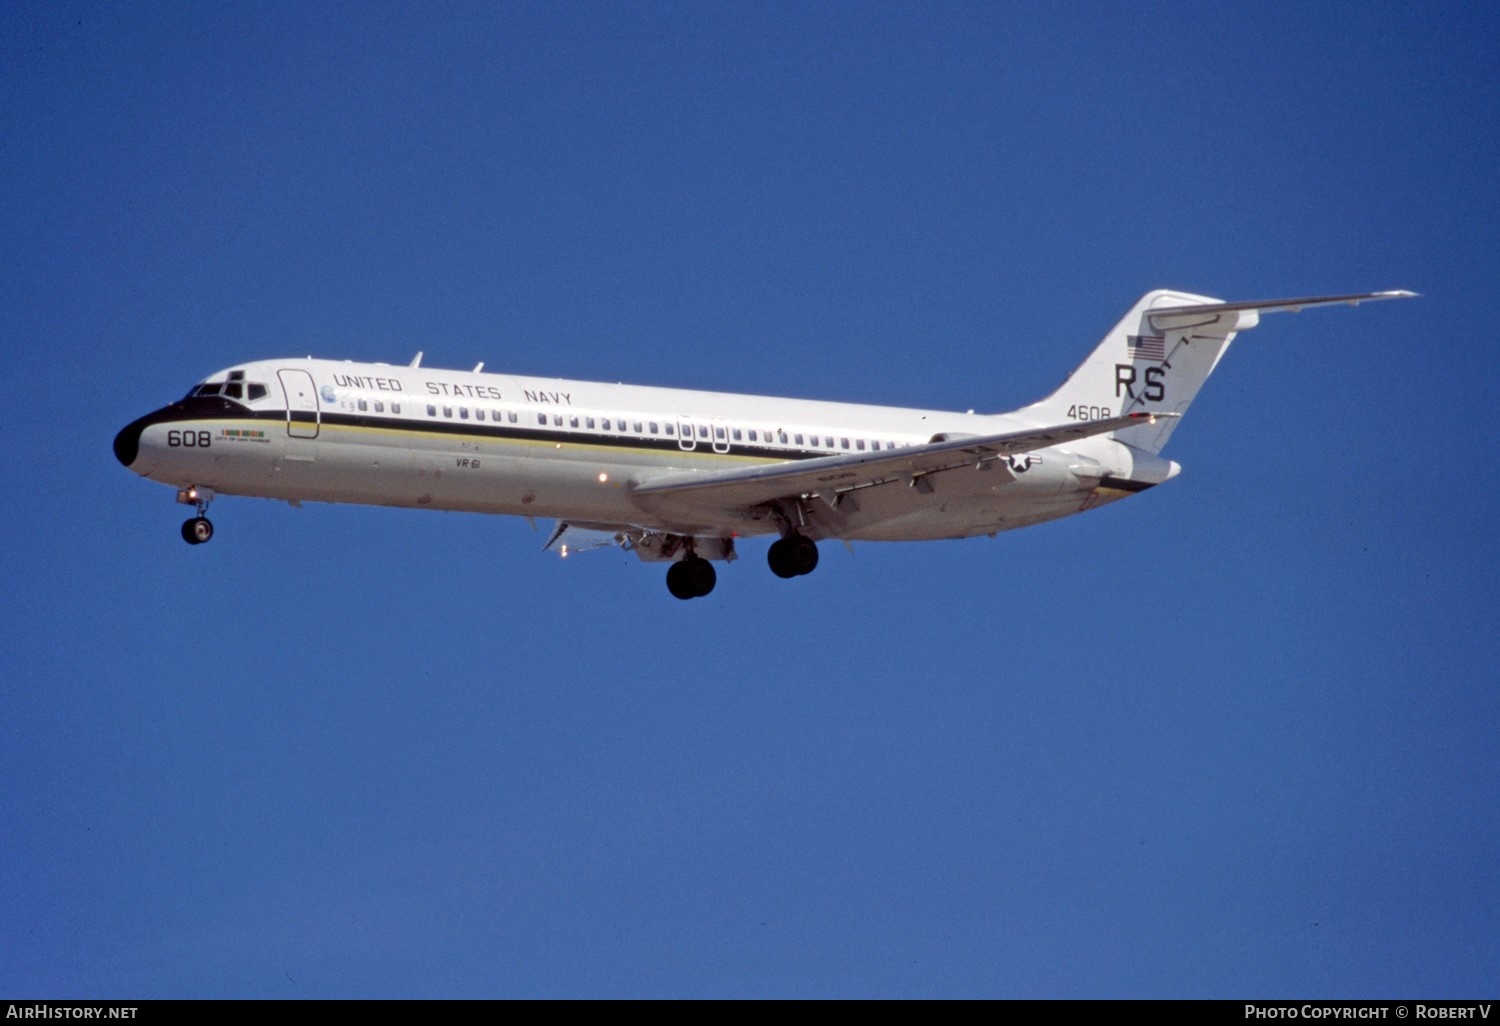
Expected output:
{"points": [[199, 529]]}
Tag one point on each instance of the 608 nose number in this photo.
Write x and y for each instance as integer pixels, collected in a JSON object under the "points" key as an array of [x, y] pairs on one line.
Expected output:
{"points": [[189, 439]]}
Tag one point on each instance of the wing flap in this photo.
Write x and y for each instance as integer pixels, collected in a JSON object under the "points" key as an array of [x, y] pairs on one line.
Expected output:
{"points": [[750, 486]]}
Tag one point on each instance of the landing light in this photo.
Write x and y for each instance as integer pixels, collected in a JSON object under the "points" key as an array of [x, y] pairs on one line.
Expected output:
{"points": [[603, 477]]}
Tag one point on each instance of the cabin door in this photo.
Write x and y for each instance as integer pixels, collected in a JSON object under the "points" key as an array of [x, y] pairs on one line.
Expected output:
{"points": [[302, 417]]}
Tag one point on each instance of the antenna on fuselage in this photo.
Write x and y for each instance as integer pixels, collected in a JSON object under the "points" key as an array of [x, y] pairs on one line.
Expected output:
{"points": [[416, 361], [479, 367]]}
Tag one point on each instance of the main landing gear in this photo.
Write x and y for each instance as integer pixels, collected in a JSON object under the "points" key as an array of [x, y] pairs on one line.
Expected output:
{"points": [[793, 556], [199, 529], [691, 577]]}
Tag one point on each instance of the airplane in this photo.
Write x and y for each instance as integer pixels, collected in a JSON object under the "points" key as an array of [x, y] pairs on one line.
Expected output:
{"points": [[680, 476]]}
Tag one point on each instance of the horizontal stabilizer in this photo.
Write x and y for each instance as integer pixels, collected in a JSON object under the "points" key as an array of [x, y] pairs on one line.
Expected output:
{"points": [[1247, 315], [1289, 305]]}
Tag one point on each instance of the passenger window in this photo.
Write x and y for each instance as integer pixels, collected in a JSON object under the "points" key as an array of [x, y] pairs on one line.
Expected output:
{"points": [[799, 439], [572, 422], [479, 414], [859, 443], [512, 416], [637, 426], [719, 433], [735, 434], [781, 437], [589, 423], [875, 446], [463, 413], [431, 410], [752, 435], [395, 407], [447, 411], [379, 406], [364, 407], [671, 430], [654, 429], [845, 441], [557, 420]]}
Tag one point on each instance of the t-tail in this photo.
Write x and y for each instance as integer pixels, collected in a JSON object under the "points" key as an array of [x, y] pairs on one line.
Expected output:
{"points": [[1158, 357]]}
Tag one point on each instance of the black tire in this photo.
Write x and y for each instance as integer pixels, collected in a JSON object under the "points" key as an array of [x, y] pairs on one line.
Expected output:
{"points": [[197, 530], [680, 581], [802, 554], [780, 559], [702, 576], [691, 578]]}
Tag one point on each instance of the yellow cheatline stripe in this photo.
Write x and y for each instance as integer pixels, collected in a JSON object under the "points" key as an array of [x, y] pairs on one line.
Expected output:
{"points": [[544, 443], [614, 450]]}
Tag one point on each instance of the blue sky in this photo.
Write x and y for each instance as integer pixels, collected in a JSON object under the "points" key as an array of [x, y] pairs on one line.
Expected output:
{"points": [[1236, 736]]}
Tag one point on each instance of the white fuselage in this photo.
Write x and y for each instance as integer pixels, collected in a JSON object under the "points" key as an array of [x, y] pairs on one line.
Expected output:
{"points": [[328, 431]]}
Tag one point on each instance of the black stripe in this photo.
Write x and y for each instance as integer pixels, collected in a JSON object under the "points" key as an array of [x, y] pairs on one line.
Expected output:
{"points": [[128, 441], [516, 432], [219, 408]]}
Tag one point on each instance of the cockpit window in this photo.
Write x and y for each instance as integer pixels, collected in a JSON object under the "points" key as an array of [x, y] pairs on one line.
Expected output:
{"points": [[236, 388]]}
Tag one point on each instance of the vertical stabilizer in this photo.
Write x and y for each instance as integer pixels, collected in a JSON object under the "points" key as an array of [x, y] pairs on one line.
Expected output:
{"points": [[1147, 363], [1159, 355]]}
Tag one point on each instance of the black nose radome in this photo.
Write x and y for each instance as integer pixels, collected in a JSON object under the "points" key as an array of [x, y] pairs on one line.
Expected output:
{"points": [[128, 442]]}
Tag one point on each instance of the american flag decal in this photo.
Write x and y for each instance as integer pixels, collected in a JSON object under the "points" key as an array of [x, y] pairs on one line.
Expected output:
{"points": [[1146, 347]]}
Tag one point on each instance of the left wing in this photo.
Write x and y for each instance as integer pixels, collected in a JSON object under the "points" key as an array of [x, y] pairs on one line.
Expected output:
{"points": [[827, 475]]}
